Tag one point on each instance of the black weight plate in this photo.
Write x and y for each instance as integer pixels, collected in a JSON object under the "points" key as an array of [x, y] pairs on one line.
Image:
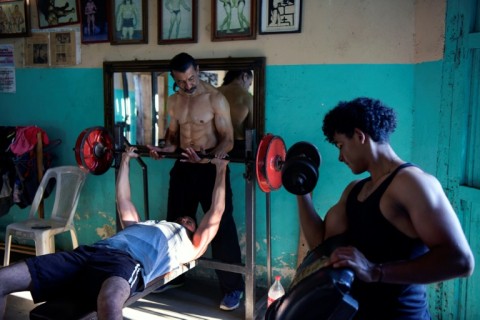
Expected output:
{"points": [[305, 149], [299, 176]]}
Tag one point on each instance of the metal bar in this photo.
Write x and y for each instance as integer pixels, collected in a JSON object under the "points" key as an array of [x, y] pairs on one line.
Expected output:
{"points": [[249, 268], [269, 244], [250, 175], [39, 155], [145, 188], [218, 265]]}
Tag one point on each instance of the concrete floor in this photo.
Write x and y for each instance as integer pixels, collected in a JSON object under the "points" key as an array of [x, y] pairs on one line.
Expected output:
{"points": [[197, 299]]}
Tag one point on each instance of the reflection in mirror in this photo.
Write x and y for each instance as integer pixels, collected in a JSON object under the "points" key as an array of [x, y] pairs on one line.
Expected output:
{"points": [[236, 87], [139, 105], [136, 95]]}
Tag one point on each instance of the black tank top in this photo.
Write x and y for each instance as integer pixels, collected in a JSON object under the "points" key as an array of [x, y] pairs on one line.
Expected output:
{"points": [[381, 242]]}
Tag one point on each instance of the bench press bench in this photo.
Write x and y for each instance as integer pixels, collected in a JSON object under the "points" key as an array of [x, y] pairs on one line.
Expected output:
{"points": [[68, 309]]}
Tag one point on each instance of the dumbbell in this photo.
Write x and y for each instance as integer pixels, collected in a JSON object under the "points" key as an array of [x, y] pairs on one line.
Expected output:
{"points": [[296, 170], [300, 170]]}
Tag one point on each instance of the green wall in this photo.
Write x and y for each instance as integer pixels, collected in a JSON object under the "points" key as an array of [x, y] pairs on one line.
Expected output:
{"points": [[66, 101], [427, 101]]}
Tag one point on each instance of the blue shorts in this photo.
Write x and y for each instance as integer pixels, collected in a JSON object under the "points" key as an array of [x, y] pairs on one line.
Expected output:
{"points": [[79, 274]]}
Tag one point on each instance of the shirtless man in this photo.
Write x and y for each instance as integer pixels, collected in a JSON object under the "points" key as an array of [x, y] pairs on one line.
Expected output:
{"points": [[17, 19], [173, 6], [200, 119], [90, 11], [127, 19], [235, 88], [227, 6], [242, 20]]}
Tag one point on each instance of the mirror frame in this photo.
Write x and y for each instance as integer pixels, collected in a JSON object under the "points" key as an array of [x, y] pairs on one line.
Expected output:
{"points": [[256, 64]]}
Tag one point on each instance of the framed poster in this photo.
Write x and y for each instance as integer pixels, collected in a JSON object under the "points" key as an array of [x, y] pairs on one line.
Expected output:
{"points": [[233, 20], [95, 24], [129, 22], [57, 13], [177, 21], [14, 19], [277, 16]]}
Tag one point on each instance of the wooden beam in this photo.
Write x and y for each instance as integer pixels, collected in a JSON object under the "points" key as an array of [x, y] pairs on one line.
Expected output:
{"points": [[19, 248], [40, 170]]}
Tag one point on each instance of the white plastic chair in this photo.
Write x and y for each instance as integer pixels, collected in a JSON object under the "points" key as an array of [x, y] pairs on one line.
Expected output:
{"points": [[69, 183]]}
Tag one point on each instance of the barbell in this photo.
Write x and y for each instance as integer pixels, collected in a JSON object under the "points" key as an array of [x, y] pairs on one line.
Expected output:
{"points": [[295, 169]]}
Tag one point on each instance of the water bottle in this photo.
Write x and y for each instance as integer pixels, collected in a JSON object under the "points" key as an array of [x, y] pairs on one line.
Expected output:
{"points": [[275, 291]]}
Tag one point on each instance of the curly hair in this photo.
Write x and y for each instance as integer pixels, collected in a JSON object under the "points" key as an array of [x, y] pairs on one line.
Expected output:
{"points": [[369, 115]]}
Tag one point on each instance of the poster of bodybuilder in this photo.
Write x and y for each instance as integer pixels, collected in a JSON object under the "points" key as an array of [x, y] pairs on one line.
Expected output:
{"points": [[129, 22], [94, 16]]}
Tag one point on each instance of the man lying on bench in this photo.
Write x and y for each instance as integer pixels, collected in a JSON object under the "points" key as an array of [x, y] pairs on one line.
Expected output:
{"points": [[106, 273]]}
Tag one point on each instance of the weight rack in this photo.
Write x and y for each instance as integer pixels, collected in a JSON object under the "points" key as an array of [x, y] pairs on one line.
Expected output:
{"points": [[248, 268]]}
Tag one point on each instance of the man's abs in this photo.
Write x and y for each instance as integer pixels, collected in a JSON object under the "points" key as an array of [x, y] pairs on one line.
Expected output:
{"points": [[198, 137]]}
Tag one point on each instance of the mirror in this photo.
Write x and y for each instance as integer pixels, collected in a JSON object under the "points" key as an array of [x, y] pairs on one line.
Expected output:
{"points": [[136, 95]]}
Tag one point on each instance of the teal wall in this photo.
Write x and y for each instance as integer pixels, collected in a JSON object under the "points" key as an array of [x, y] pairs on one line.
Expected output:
{"points": [[66, 101], [427, 102]]}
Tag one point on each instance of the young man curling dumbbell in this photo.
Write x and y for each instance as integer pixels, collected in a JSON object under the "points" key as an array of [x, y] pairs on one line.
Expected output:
{"points": [[400, 229]]}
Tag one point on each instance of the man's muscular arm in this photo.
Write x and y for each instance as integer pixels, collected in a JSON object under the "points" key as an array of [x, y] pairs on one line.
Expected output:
{"points": [[208, 227], [126, 209], [249, 103], [223, 124]]}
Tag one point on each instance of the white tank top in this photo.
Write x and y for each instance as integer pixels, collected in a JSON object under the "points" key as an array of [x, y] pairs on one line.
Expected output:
{"points": [[159, 246]]}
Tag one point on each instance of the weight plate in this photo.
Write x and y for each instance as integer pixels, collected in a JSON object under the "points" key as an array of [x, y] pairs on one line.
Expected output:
{"points": [[270, 158], [94, 150], [274, 160], [305, 149], [299, 176], [260, 162]]}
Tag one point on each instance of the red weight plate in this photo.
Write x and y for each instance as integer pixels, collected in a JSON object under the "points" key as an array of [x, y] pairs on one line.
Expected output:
{"points": [[78, 145], [96, 150], [260, 162], [275, 158]]}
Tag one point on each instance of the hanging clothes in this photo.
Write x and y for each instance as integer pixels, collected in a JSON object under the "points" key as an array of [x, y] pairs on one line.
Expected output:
{"points": [[26, 139]]}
